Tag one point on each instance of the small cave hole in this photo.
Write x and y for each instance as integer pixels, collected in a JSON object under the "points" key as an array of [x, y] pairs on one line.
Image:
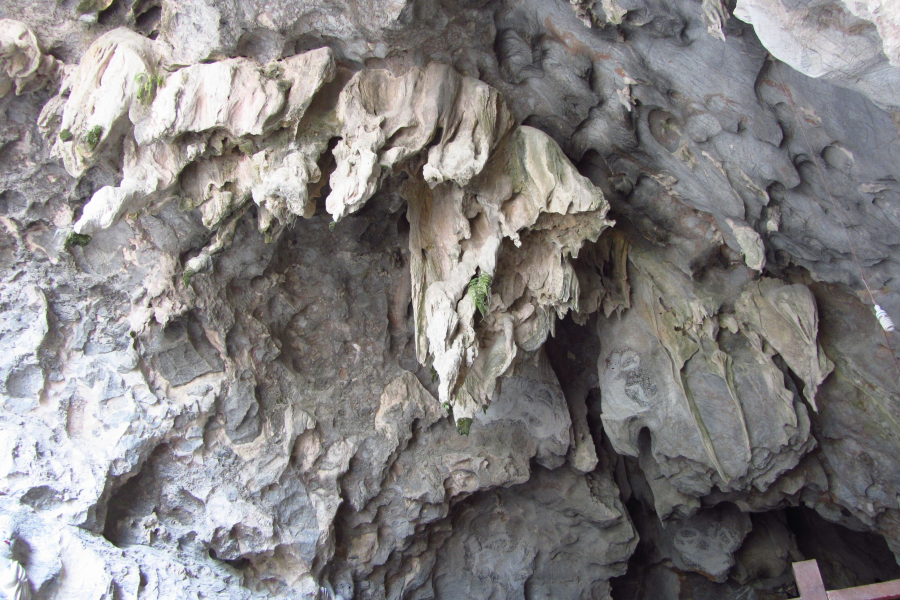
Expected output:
{"points": [[148, 21], [320, 190], [237, 563], [438, 136], [113, 15]]}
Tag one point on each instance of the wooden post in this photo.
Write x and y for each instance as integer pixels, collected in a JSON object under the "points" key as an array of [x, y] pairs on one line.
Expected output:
{"points": [[809, 581], [877, 591]]}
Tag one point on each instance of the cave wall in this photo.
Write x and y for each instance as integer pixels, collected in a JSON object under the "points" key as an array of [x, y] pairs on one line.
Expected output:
{"points": [[244, 353]]}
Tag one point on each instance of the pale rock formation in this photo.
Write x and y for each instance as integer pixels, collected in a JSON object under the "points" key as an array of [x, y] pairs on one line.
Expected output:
{"points": [[886, 18], [852, 43], [69, 562], [752, 247], [610, 12], [98, 97], [387, 119], [199, 112], [715, 14], [210, 29], [503, 182], [515, 222], [23, 65]]}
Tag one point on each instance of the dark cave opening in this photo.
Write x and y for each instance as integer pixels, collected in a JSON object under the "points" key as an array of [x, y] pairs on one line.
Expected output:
{"points": [[847, 553]]}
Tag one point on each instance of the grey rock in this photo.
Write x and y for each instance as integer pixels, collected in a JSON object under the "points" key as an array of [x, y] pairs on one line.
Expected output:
{"points": [[861, 48], [857, 410], [241, 408], [235, 391], [706, 542], [182, 352], [708, 398], [762, 566], [68, 562], [529, 422], [561, 534], [25, 328], [768, 550]]}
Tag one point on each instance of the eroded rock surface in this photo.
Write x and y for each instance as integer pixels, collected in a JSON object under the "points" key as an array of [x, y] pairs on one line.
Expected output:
{"points": [[855, 44], [560, 534], [704, 383], [281, 283]]}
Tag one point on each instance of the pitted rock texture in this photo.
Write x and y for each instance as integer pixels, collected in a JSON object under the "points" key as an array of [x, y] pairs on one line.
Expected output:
{"points": [[241, 354]]}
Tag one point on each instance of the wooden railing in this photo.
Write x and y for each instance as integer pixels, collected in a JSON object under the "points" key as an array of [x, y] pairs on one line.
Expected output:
{"points": [[811, 587]]}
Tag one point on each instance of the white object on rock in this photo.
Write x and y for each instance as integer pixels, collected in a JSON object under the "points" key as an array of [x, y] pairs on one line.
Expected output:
{"points": [[13, 579], [752, 247], [886, 322]]}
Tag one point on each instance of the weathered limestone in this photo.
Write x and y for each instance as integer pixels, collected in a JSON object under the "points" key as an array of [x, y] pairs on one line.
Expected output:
{"points": [[160, 122], [69, 562], [669, 369], [529, 421], [23, 65], [213, 396], [787, 318], [517, 223], [578, 520], [199, 116], [387, 119], [706, 543], [853, 43]]}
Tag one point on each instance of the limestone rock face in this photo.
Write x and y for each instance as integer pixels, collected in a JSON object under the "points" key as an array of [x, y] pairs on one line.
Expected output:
{"points": [[98, 570], [859, 397], [388, 119], [706, 543], [123, 102], [23, 65], [713, 400], [578, 520], [195, 118], [517, 223], [855, 44], [418, 299]]}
